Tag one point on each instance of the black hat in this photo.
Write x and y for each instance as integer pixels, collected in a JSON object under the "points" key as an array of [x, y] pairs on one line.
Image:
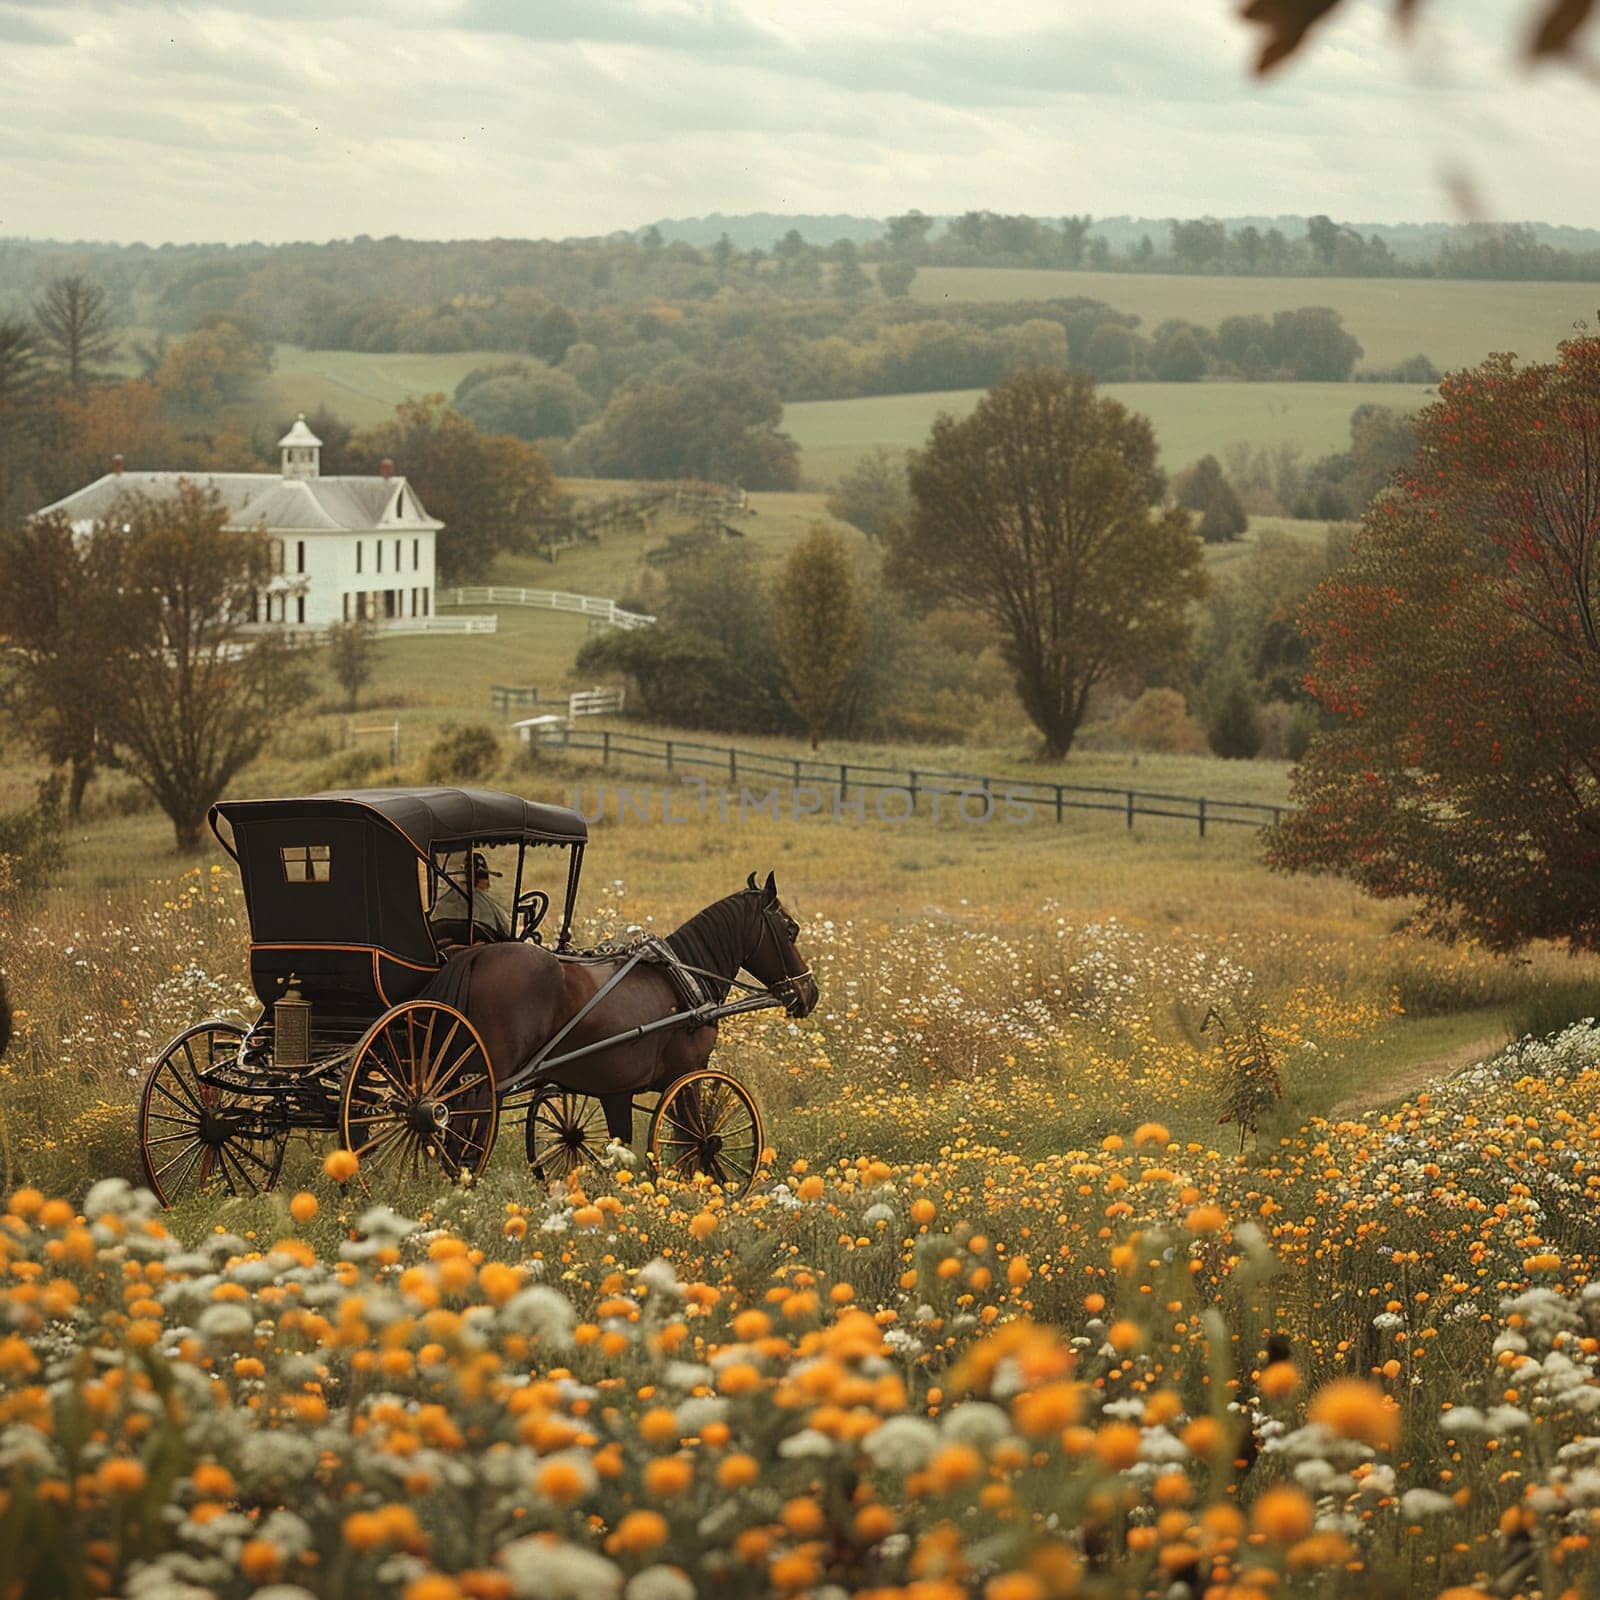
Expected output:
{"points": [[481, 868]]}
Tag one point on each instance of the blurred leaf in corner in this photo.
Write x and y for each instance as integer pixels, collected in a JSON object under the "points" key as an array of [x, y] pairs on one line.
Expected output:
{"points": [[1287, 23]]}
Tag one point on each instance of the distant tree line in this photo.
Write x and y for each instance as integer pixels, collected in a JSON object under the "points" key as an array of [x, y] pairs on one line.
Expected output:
{"points": [[402, 294]]}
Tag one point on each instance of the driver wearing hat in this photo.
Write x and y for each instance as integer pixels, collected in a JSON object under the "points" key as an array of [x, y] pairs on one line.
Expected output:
{"points": [[488, 915]]}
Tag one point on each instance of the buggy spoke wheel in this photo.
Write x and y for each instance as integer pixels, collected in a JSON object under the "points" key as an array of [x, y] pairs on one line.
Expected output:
{"points": [[193, 1131], [419, 1091], [707, 1124], [565, 1131]]}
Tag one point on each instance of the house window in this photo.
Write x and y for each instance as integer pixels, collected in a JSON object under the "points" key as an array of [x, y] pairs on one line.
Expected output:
{"points": [[424, 602], [416, 555], [397, 555], [400, 504], [358, 555], [299, 555], [277, 555], [347, 608], [379, 543], [300, 608], [306, 863]]}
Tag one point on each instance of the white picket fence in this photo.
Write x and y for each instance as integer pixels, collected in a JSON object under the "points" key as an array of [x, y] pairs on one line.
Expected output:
{"points": [[581, 703], [608, 612], [311, 633]]}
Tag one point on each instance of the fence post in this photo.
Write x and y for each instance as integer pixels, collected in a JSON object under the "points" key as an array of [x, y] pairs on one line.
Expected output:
{"points": [[913, 791], [733, 767], [605, 746], [797, 772], [1202, 816], [844, 779], [1060, 802], [669, 755], [1130, 808]]}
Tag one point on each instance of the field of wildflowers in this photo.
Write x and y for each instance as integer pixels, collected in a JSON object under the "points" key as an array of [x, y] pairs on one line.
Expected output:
{"points": [[1010, 1313]]}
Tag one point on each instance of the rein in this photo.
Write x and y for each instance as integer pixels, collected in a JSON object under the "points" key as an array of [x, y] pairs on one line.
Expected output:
{"points": [[785, 989]]}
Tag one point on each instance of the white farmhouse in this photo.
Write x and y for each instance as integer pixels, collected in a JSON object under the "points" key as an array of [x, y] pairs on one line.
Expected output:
{"points": [[342, 547]]}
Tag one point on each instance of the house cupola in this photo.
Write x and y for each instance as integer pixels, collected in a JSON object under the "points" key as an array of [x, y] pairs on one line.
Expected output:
{"points": [[302, 451]]}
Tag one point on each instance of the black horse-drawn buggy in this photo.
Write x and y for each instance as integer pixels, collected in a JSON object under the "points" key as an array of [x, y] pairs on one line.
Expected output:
{"points": [[405, 1010]]}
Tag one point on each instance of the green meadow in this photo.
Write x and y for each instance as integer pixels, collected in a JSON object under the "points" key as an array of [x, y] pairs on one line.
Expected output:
{"points": [[1190, 419], [1454, 323]]}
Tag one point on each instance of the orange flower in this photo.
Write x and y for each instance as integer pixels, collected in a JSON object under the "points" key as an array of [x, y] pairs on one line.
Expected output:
{"points": [[1279, 1380], [1152, 1133], [561, 1481], [341, 1165], [738, 1472], [304, 1206], [1356, 1409], [260, 1560], [121, 1475], [1116, 1446], [668, 1476], [639, 1532], [1283, 1514]]}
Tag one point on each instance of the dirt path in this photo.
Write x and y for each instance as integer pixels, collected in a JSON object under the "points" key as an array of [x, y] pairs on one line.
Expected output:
{"points": [[1417, 1075]]}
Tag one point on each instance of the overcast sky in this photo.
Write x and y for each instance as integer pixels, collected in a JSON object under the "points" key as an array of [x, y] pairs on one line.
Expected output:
{"points": [[317, 119]]}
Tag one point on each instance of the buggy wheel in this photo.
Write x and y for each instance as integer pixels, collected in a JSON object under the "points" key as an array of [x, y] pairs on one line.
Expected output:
{"points": [[420, 1090], [565, 1131], [192, 1132], [708, 1123]]}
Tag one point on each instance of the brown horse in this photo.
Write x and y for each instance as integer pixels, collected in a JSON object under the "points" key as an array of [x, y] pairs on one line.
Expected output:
{"points": [[519, 995]]}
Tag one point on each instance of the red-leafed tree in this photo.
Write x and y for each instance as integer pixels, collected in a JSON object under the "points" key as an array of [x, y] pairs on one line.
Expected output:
{"points": [[1459, 650]]}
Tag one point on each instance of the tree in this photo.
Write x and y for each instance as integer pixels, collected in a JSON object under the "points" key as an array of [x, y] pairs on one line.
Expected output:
{"points": [[849, 281], [1232, 717], [553, 335], [216, 366], [896, 277], [352, 654], [1458, 652], [908, 236], [195, 698], [1038, 511], [527, 401], [19, 401], [820, 629], [489, 490], [1179, 358], [75, 327], [1205, 490], [874, 495], [717, 426], [61, 611]]}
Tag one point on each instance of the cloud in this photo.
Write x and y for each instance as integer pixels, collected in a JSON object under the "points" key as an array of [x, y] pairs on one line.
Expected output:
{"points": [[306, 119]]}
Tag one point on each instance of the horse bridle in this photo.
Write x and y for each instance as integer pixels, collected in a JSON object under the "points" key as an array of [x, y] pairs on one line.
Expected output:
{"points": [[787, 988]]}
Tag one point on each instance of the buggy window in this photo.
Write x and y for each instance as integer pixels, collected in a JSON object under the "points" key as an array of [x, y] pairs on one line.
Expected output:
{"points": [[306, 863]]}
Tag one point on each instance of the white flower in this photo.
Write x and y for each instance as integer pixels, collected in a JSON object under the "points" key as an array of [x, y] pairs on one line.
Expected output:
{"points": [[540, 1571], [978, 1423], [808, 1442], [1415, 1504], [659, 1583], [541, 1312], [227, 1323], [658, 1277], [902, 1444], [381, 1222]]}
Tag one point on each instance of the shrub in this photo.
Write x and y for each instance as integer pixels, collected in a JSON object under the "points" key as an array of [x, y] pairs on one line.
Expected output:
{"points": [[1233, 720], [464, 754], [31, 839], [1159, 721]]}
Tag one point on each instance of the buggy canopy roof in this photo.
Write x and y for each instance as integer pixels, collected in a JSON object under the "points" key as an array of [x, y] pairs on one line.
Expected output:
{"points": [[422, 817]]}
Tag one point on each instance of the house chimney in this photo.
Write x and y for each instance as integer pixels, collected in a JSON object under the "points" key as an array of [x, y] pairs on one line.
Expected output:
{"points": [[386, 467], [116, 464]]}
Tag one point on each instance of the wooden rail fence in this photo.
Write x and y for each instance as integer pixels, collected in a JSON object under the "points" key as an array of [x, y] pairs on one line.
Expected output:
{"points": [[1054, 800]]}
